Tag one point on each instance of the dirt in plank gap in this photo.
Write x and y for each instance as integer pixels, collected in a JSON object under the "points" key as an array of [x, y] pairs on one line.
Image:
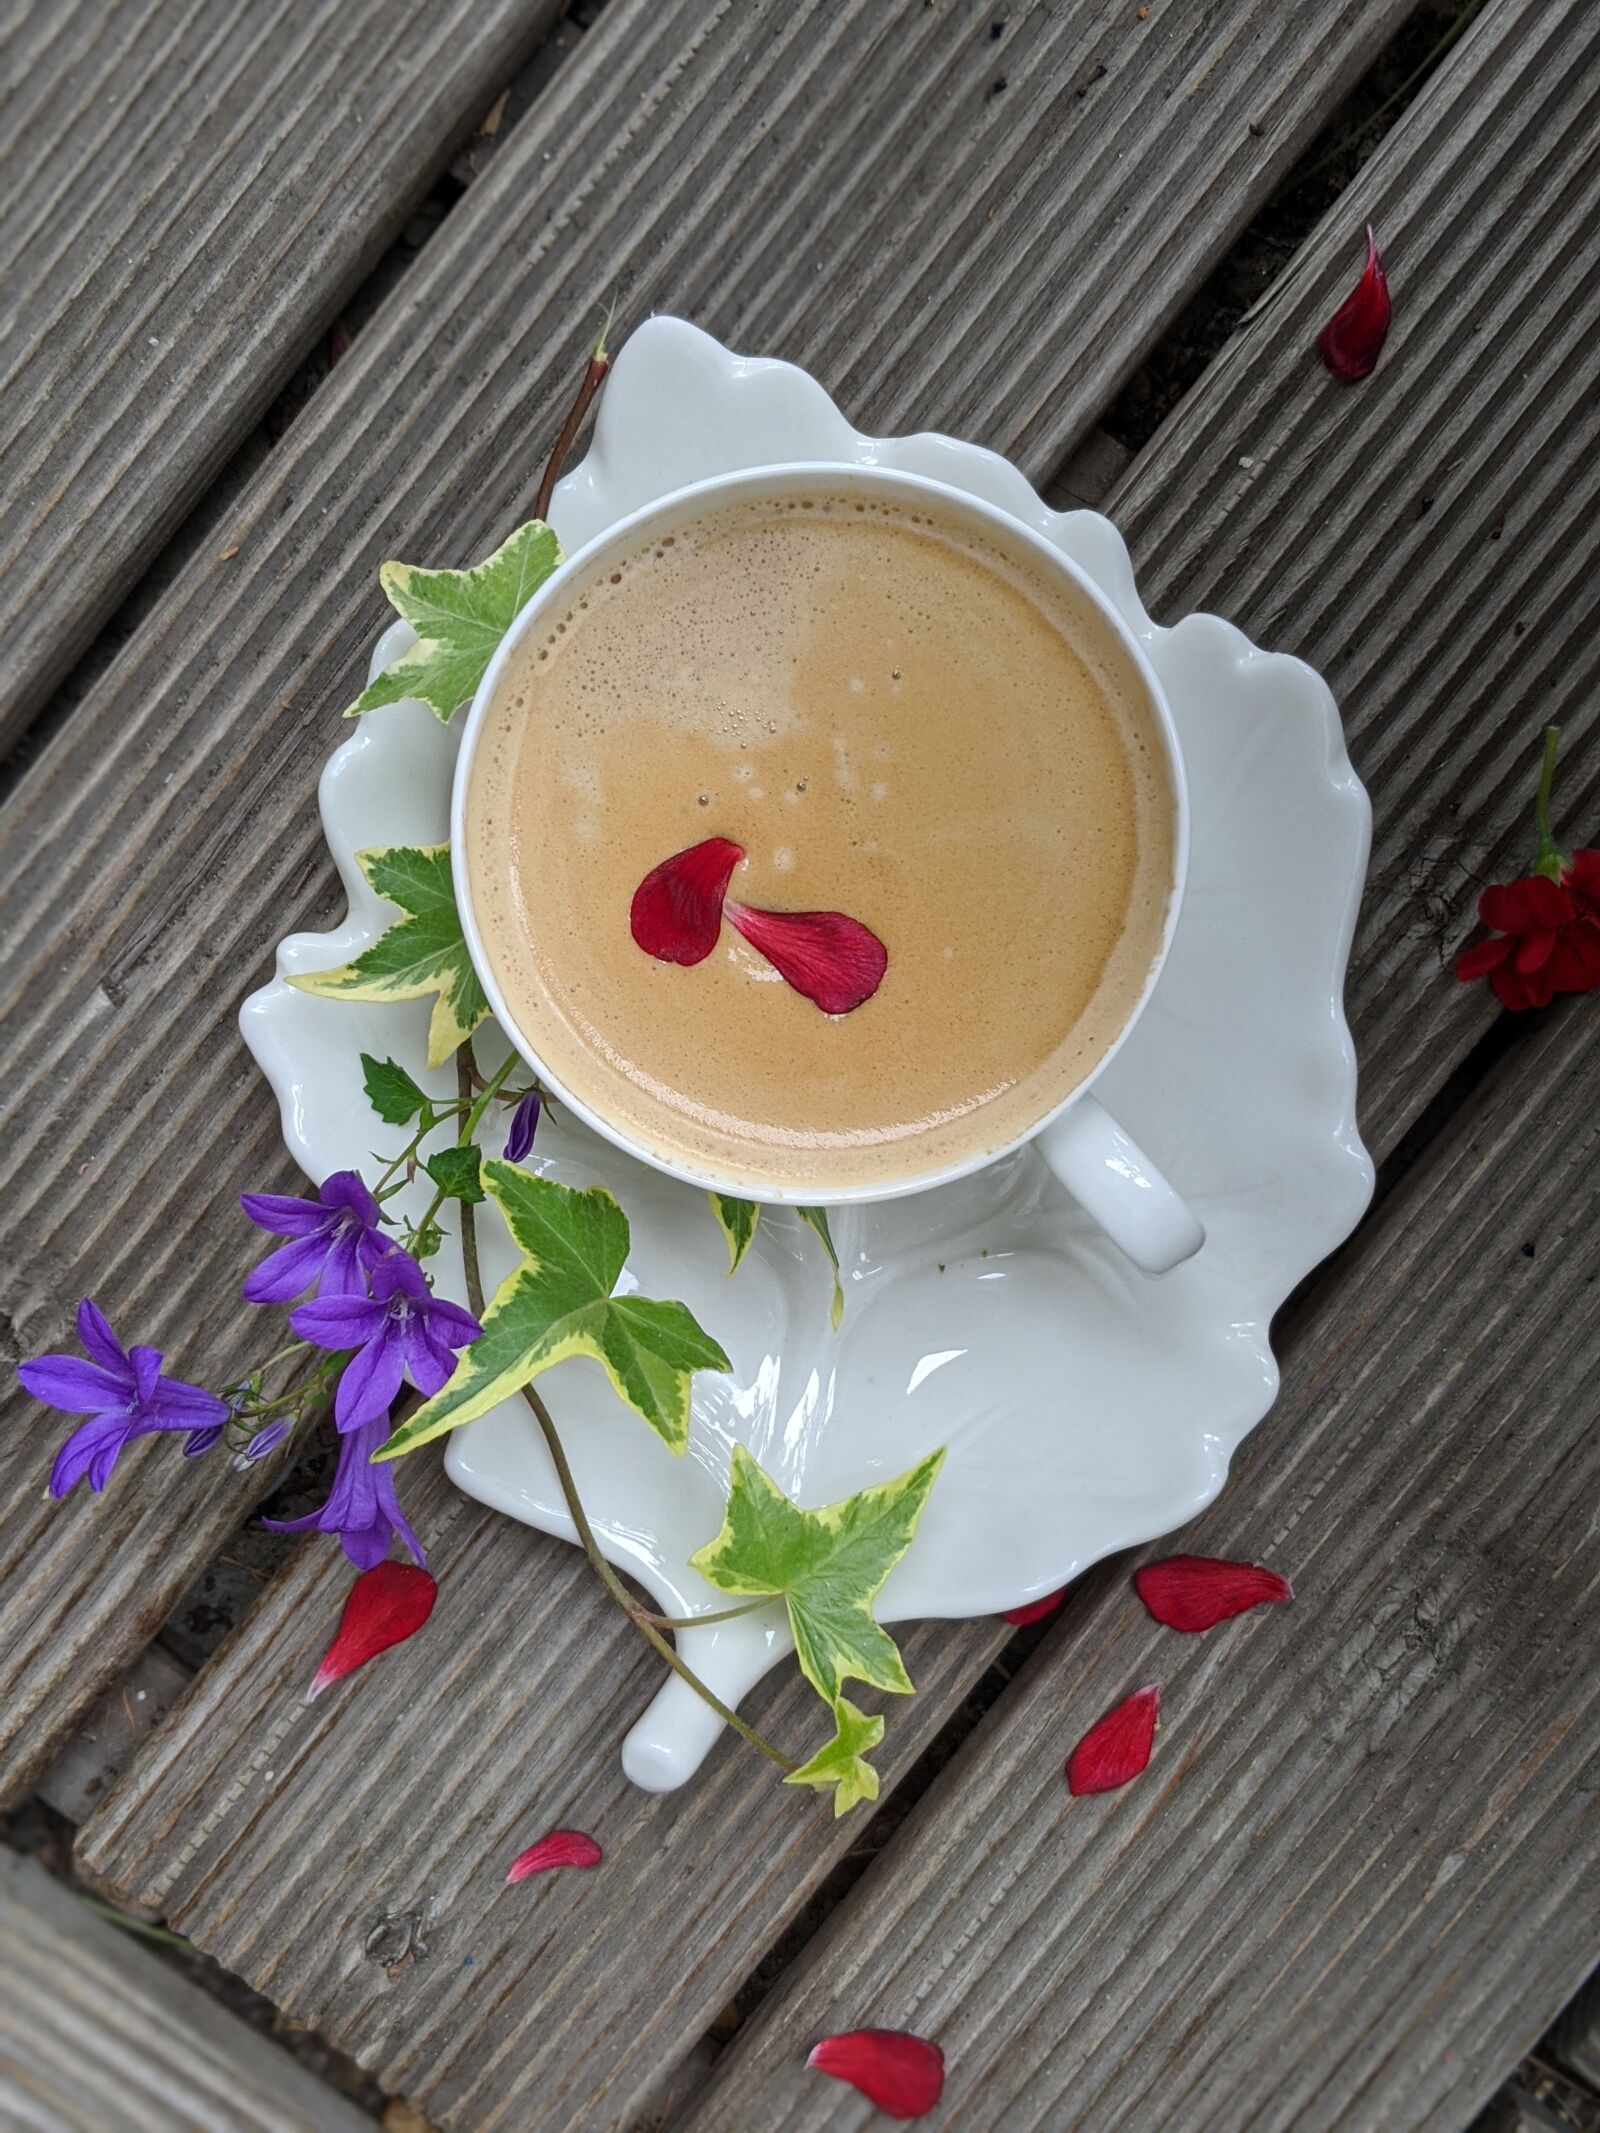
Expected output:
{"points": [[1266, 246]]}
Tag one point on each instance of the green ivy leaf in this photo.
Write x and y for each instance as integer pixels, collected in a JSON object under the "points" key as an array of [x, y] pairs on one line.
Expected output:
{"points": [[460, 617], [455, 1172], [391, 1092], [842, 1764], [828, 1566], [558, 1303], [424, 952], [817, 1218], [737, 1220]]}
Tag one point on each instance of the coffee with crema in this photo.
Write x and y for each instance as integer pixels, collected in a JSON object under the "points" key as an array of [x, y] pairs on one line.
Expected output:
{"points": [[895, 719]]}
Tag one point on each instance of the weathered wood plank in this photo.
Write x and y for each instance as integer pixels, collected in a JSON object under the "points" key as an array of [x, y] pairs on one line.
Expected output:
{"points": [[582, 2035], [99, 2035], [1427, 538], [189, 191], [1362, 1871], [814, 178]]}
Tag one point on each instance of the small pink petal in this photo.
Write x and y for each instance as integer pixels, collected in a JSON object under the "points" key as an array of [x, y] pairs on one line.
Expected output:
{"points": [[385, 1605], [1035, 1610], [562, 1847], [1194, 1592], [677, 908], [1116, 1747], [1352, 341], [902, 2074], [835, 961]]}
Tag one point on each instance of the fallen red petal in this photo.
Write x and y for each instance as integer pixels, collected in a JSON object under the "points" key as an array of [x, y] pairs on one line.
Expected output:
{"points": [[902, 2074], [385, 1605], [1036, 1610], [1353, 338], [562, 1847], [1197, 1591], [677, 908], [1117, 1747], [835, 961]]}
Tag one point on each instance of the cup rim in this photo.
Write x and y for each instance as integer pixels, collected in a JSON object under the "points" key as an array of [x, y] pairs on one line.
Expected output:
{"points": [[754, 480]]}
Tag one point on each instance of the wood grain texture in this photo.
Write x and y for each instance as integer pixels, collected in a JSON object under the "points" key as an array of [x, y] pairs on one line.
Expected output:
{"points": [[100, 2035], [349, 1858], [1362, 1870], [190, 189], [1427, 538], [816, 179]]}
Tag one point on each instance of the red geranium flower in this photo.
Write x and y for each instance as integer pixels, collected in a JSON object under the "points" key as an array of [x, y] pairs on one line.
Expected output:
{"points": [[1544, 928]]}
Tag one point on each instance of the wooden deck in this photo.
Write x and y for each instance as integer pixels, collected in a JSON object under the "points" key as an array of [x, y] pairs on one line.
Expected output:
{"points": [[1365, 1880]]}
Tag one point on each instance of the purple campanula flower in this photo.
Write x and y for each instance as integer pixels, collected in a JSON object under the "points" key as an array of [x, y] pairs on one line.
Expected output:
{"points": [[124, 1395], [334, 1240], [524, 1123], [264, 1441], [401, 1326], [362, 1507]]}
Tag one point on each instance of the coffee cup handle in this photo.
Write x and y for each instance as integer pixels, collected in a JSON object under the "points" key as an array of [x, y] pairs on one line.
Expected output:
{"points": [[1113, 1180]]}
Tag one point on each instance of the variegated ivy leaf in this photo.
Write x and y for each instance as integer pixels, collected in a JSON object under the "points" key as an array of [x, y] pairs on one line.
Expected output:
{"points": [[737, 1220], [842, 1764], [460, 617], [421, 953], [817, 1218], [558, 1303], [827, 1566]]}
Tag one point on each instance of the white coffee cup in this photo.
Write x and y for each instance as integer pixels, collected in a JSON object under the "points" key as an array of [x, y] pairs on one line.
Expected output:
{"points": [[1088, 1151]]}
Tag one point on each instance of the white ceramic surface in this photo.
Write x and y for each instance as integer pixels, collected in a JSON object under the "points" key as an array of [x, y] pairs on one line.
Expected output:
{"points": [[1085, 1406]]}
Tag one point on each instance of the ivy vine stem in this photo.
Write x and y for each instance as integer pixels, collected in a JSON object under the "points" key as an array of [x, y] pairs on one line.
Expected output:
{"points": [[640, 1617]]}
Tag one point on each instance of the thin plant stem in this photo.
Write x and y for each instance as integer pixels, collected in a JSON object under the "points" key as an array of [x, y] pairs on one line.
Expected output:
{"points": [[721, 1614], [593, 378], [1552, 862], [619, 1592], [640, 1617]]}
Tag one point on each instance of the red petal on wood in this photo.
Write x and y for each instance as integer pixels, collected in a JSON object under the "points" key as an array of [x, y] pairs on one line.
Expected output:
{"points": [[1117, 1747], [902, 2074], [1353, 338], [385, 1605], [562, 1847], [835, 961], [677, 908], [1036, 1610], [1194, 1592]]}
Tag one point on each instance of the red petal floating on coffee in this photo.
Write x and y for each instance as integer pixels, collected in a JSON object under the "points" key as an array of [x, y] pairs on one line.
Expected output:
{"points": [[385, 1605], [562, 1847], [677, 908], [835, 961], [1117, 1747], [1036, 1610], [902, 2074], [1194, 1592], [1353, 338]]}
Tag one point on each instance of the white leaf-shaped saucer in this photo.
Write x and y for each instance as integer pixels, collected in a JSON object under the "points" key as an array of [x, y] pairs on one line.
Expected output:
{"points": [[1085, 1406]]}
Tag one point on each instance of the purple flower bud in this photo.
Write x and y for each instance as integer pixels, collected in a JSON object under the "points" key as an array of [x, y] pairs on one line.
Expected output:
{"points": [[201, 1440], [264, 1441], [524, 1122]]}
